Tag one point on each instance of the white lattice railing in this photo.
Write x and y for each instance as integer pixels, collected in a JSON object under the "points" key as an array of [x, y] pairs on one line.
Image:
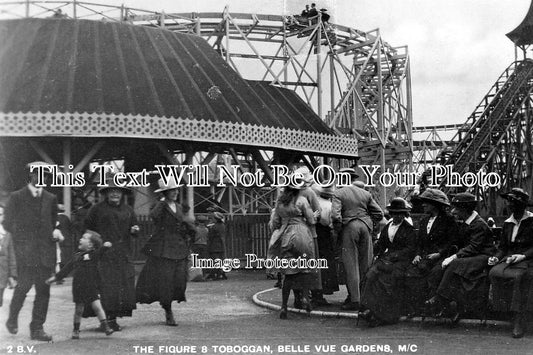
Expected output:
{"points": [[153, 127]]}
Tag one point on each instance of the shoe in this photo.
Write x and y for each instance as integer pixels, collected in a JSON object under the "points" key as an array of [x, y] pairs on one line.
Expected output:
{"points": [[347, 300], [12, 327], [431, 307], [374, 322], [308, 307], [113, 325], [170, 319], [298, 304], [453, 310], [40, 335], [106, 328], [518, 329], [283, 313], [320, 302], [352, 306], [75, 334], [366, 315]]}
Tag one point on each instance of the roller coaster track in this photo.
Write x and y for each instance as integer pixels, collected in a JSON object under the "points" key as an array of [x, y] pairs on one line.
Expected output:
{"points": [[491, 120]]}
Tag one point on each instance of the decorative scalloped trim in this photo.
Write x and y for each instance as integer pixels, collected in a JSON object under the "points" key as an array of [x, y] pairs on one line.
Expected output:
{"points": [[154, 127]]}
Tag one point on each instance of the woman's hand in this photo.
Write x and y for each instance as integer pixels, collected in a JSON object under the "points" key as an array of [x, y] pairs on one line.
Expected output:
{"points": [[416, 260], [448, 260], [515, 258], [12, 283], [135, 229], [433, 256], [493, 260]]}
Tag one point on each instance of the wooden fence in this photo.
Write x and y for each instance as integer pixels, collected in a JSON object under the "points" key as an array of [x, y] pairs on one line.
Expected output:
{"points": [[246, 234]]}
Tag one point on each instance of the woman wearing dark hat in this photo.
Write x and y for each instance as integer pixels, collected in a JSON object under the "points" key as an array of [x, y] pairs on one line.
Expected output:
{"points": [[395, 248], [436, 236], [164, 276], [292, 219], [216, 244], [512, 289], [115, 221], [464, 282]]}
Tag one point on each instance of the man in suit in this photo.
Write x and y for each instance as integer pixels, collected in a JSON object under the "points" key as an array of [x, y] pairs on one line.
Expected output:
{"points": [[30, 217], [354, 211]]}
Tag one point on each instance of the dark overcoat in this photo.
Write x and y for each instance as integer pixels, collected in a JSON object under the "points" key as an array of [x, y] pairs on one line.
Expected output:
{"points": [[423, 278], [383, 292], [512, 284], [465, 279], [31, 221], [115, 267], [164, 276], [172, 235]]}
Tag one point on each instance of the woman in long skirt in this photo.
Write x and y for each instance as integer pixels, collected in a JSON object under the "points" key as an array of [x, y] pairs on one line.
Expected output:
{"points": [[383, 292], [511, 278], [164, 276], [292, 218], [435, 242]]}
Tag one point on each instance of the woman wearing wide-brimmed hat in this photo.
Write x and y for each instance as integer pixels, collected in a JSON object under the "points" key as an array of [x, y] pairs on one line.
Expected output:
{"points": [[115, 221], [511, 278], [163, 278], [291, 221], [464, 282], [435, 242], [394, 250]]}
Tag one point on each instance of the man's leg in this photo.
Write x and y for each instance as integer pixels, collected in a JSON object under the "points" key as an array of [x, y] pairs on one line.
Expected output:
{"points": [[42, 297], [365, 249], [25, 282], [350, 259]]}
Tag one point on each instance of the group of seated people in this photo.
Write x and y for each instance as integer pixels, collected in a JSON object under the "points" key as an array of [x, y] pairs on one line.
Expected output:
{"points": [[448, 267]]}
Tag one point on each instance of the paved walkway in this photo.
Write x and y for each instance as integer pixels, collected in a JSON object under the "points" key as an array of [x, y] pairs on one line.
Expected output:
{"points": [[219, 315], [271, 298]]}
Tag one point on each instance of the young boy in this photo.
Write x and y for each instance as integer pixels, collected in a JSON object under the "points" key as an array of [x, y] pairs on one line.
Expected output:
{"points": [[85, 283]]}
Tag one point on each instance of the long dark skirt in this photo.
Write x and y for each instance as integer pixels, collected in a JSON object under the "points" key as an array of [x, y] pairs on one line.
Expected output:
{"points": [[326, 250], [117, 287], [421, 283], [163, 280], [511, 286], [383, 291], [466, 281]]}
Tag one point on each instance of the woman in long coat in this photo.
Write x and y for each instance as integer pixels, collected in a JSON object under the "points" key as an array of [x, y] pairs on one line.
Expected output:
{"points": [[115, 221], [511, 278], [435, 242], [394, 250], [464, 282], [164, 276], [291, 220]]}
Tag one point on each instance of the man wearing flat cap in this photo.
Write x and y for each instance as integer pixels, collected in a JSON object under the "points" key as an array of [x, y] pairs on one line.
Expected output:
{"points": [[514, 262], [30, 217], [354, 211]]}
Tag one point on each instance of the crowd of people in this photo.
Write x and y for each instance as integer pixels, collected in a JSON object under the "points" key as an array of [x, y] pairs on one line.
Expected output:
{"points": [[103, 271], [444, 269]]}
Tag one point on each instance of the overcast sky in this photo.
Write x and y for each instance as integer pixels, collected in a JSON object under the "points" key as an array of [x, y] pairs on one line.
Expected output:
{"points": [[458, 48]]}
